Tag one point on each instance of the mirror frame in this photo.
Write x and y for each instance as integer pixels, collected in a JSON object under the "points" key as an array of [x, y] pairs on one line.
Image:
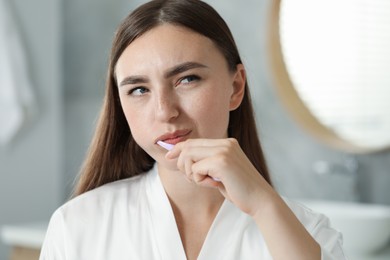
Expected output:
{"points": [[290, 97]]}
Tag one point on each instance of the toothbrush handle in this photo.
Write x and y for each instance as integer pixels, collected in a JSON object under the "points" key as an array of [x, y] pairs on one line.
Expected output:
{"points": [[216, 179]]}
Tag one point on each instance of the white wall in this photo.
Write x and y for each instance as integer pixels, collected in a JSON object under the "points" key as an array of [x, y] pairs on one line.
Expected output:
{"points": [[30, 168]]}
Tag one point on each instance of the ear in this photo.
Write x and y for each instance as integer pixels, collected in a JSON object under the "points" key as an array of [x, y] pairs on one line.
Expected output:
{"points": [[239, 80]]}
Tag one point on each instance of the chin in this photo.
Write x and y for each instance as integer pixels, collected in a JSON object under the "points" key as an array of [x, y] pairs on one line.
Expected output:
{"points": [[171, 166]]}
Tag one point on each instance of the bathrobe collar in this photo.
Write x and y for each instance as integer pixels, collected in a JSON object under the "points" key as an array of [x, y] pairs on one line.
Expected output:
{"points": [[169, 243]]}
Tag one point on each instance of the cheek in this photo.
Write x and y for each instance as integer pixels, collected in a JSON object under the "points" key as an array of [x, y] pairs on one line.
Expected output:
{"points": [[136, 120], [212, 113]]}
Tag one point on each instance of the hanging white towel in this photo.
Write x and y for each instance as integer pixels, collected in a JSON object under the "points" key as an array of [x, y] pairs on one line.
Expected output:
{"points": [[17, 102]]}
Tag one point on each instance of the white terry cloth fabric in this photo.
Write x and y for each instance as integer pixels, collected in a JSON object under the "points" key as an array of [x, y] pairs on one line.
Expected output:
{"points": [[17, 102], [133, 219]]}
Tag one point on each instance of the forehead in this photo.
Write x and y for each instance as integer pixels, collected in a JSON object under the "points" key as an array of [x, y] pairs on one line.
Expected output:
{"points": [[167, 45]]}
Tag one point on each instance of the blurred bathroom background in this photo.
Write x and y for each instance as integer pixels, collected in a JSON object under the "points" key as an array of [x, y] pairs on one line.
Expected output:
{"points": [[66, 45]]}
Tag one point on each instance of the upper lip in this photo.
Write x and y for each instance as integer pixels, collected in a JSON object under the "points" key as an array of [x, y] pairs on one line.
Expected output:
{"points": [[173, 135]]}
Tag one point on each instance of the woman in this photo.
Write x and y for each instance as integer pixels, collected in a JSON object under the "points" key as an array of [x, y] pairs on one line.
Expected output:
{"points": [[175, 76]]}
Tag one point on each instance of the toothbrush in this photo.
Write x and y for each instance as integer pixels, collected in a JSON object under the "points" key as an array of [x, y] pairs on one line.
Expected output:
{"points": [[170, 147], [165, 145]]}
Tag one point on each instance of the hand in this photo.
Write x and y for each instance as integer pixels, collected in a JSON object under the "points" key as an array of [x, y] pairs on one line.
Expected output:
{"points": [[201, 160], [242, 184]]}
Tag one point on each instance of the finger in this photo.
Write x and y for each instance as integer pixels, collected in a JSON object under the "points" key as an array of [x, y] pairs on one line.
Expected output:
{"points": [[206, 168], [184, 164], [188, 156], [198, 178], [205, 181], [191, 143], [196, 154], [188, 167]]}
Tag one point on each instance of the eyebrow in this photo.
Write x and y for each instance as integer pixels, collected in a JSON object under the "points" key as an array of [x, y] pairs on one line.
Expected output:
{"points": [[133, 80], [182, 68], [170, 73]]}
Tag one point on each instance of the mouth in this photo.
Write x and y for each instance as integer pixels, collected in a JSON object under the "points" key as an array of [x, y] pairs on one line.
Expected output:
{"points": [[175, 137]]}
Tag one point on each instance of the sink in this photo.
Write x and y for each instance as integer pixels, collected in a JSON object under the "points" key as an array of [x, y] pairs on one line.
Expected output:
{"points": [[365, 227]]}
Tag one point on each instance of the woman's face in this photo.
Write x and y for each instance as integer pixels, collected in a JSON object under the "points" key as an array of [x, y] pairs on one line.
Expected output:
{"points": [[174, 84]]}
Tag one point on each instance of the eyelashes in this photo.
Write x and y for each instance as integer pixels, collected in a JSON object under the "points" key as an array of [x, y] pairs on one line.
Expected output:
{"points": [[187, 80], [137, 91]]}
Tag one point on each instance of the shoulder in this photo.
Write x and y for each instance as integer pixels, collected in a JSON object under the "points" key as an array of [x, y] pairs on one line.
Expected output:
{"points": [[113, 193], [100, 206], [94, 217], [111, 189], [97, 205]]}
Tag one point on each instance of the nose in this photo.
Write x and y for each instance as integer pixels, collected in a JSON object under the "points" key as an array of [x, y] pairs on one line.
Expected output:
{"points": [[167, 107]]}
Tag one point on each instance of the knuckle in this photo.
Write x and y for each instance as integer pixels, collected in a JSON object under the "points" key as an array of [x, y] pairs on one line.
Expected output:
{"points": [[222, 159], [232, 142]]}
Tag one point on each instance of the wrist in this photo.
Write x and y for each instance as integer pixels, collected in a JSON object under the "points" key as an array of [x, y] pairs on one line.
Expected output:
{"points": [[271, 205]]}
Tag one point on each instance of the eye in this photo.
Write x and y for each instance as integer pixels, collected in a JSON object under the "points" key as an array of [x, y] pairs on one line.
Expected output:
{"points": [[137, 91], [189, 79]]}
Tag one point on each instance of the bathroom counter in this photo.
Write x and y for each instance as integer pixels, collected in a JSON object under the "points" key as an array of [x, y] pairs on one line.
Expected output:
{"points": [[25, 241], [383, 254], [27, 235]]}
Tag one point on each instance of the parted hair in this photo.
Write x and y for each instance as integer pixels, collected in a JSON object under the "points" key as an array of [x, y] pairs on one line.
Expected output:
{"points": [[113, 153]]}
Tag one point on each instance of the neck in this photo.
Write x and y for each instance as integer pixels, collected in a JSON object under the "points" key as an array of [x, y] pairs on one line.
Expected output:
{"points": [[189, 198], [194, 208]]}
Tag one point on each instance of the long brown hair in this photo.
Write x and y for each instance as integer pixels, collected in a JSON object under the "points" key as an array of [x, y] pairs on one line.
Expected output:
{"points": [[113, 154]]}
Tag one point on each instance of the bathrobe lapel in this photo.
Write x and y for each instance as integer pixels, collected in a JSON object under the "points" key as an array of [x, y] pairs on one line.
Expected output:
{"points": [[224, 236], [164, 224], [222, 239]]}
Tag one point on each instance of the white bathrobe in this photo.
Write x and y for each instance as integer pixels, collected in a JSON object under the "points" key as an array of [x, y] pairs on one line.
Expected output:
{"points": [[133, 219]]}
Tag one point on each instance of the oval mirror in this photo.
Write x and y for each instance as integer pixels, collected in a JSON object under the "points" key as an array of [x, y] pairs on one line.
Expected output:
{"points": [[331, 62]]}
